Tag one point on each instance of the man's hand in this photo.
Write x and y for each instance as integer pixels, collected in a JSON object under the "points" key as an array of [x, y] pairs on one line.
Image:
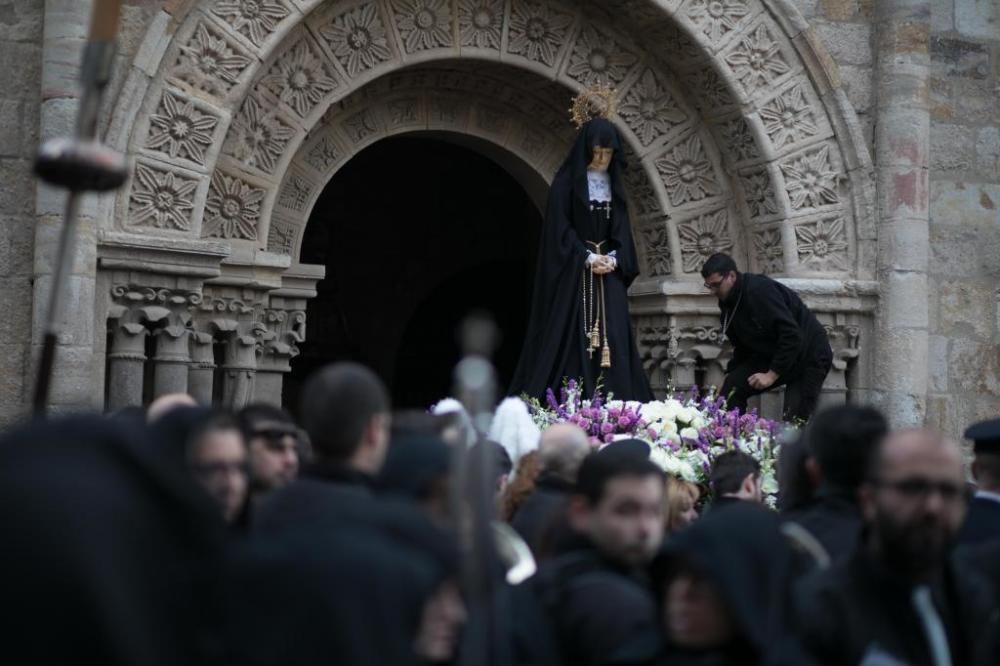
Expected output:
{"points": [[763, 380]]}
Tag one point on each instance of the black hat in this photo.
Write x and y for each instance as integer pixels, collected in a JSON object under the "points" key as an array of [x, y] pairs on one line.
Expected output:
{"points": [[985, 435]]}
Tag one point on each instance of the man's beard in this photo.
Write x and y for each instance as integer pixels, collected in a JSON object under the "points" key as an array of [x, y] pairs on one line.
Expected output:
{"points": [[915, 548]]}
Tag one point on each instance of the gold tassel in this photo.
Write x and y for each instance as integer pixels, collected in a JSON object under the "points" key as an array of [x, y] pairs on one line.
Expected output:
{"points": [[606, 357], [595, 337]]}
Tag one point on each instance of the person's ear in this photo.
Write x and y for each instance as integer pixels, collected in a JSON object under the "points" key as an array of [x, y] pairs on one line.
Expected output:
{"points": [[866, 499], [578, 513], [748, 487], [813, 472]]}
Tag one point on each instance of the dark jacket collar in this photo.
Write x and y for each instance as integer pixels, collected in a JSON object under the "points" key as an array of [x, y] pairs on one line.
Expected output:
{"points": [[334, 472]]}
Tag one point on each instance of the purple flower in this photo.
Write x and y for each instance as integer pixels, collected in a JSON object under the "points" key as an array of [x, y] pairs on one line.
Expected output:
{"points": [[607, 428], [651, 433], [608, 439]]}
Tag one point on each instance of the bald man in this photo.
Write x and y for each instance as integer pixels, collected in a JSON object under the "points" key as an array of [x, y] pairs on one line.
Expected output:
{"points": [[540, 520], [900, 598]]}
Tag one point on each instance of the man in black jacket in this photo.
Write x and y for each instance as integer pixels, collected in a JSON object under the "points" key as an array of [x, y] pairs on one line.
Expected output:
{"points": [[776, 339], [595, 597], [901, 598], [982, 524], [840, 441]]}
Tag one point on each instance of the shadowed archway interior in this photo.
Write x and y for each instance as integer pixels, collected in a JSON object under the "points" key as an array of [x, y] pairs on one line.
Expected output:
{"points": [[416, 232]]}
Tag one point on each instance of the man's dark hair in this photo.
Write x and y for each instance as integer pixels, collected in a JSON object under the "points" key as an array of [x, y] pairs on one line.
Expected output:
{"points": [[718, 263], [256, 413], [987, 468], [729, 470], [597, 471], [338, 403], [843, 439]]}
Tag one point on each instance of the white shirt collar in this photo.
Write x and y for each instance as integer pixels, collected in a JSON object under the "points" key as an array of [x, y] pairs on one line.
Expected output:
{"points": [[987, 495]]}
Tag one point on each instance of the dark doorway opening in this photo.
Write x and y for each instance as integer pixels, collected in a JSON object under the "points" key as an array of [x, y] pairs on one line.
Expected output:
{"points": [[415, 233]]}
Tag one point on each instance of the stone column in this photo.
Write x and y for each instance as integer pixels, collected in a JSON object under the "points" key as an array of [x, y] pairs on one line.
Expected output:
{"points": [[239, 370], [284, 330], [127, 360], [172, 360], [201, 372], [902, 134]]}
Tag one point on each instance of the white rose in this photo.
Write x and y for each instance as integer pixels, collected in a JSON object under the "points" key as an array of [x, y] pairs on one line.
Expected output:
{"points": [[689, 433], [687, 415], [668, 427], [698, 421], [687, 472], [672, 438], [661, 457]]}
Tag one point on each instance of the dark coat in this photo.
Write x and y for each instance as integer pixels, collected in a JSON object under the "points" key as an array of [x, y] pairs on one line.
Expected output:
{"points": [[834, 519], [536, 519], [333, 574], [771, 325], [739, 548], [861, 605], [982, 522], [600, 612], [108, 556]]}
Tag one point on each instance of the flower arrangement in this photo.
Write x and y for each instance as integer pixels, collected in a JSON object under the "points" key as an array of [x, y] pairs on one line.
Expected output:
{"points": [[685, 432]]}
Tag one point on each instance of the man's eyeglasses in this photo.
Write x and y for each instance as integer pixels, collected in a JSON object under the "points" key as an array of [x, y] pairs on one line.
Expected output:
{"points": [[917, 488], [712, 286]]}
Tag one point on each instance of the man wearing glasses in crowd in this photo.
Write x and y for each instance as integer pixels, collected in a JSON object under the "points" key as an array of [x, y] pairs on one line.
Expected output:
{"points": [[776, 339], [273, 441]]}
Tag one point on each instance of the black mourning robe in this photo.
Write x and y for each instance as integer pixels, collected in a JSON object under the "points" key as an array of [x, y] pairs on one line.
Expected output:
{"points": [[555, 346]]}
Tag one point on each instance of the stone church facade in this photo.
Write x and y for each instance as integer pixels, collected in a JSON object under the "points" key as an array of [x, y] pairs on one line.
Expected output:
{"points": [[850, 148]]}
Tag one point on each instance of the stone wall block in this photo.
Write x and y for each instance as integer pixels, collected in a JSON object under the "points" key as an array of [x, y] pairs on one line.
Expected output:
{"points": [[74, 377], [965, 251], [47, 233], [988, 152], [977, 18], [966, 309], [975, 367], [942, 15], [77, 303], [16, 245], [953, 148], [971, 204], [848, 43], [21, 21], [937, 362], [154, 44], [951, 58], [18, 189]]}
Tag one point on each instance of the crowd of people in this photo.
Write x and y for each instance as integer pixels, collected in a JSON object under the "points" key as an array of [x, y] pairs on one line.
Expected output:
{"points": [[189, 535]]}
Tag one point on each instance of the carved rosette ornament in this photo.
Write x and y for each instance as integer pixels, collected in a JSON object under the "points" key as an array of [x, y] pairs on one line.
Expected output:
{"points": [[822, 245], [423, 24], [232, 209], [687, 172], [789, 118], [300, 78], [161, 199], [258, 137], [598, 58], [480, 23], [209, 62], [358, 39], [757, 60], [178, 129], [254, 19], [649, 109], [702, 237], [770, 253], [811, 180], [716, 18], [538, 31]]}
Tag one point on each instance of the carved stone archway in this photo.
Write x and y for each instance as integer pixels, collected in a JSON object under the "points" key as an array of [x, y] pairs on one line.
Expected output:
{"points": [[238, 111]]}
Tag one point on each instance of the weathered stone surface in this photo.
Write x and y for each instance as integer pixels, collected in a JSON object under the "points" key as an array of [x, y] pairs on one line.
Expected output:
{"points": [[959, 58], [17, 192], [977, 18], [848, 43], [962, 251], [942, 15], [966, 309], [905, 298], [857, 82], [988, 152], [956, 202], [937, 361], [975, 367], [953, 148], [838, 10]]}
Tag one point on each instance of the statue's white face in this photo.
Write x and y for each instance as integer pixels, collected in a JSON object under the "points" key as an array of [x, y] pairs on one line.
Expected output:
{"points": [[602, 158]]}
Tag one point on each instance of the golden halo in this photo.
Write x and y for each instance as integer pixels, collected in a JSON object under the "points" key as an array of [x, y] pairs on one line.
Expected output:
{"points": [[596, 101]]}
